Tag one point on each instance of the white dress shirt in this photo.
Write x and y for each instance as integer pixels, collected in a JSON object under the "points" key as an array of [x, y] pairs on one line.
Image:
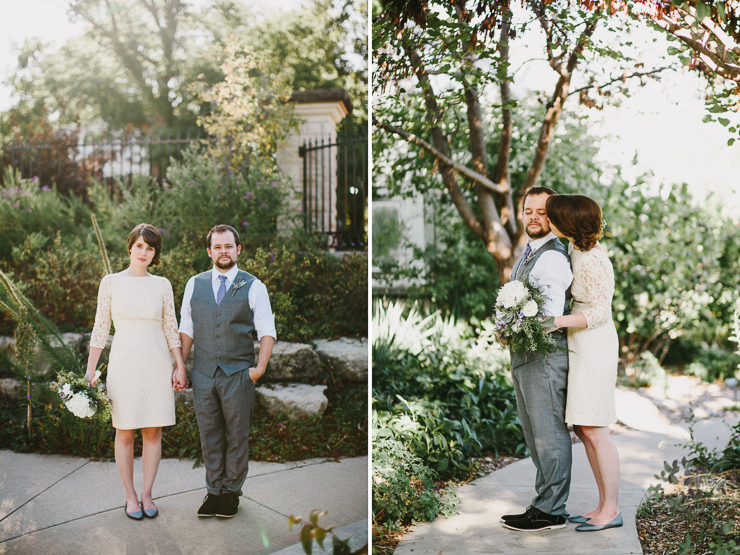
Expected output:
{"points": [[552, 274], [259, 302]]}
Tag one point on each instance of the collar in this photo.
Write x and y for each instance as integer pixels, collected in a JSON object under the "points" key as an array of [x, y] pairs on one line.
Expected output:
{"points": [[537, 243], [230, 275]]}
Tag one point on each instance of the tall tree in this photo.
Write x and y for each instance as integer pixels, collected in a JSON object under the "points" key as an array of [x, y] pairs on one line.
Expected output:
{"points": [[446, 57]]}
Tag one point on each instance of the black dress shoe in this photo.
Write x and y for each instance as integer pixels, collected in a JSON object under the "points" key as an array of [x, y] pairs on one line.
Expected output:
{"points": [[210, 505], [536, 521], [137, 515], [228, 506], [519, 516]]}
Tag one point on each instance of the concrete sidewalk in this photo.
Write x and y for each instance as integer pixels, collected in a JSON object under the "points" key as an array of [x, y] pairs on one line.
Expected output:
{"points": [[642, 450], [57, 505]]}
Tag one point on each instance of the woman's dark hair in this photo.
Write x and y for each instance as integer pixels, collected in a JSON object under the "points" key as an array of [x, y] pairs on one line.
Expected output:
{"points": [[151, 237], [223, 228], [577, 217]]}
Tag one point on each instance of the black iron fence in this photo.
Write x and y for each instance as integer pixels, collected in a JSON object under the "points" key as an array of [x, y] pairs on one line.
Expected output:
{"points": [[69, 162], [335, 190]]}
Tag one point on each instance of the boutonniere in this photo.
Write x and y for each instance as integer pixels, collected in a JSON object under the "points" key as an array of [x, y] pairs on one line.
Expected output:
{"points": [[237, 284]]}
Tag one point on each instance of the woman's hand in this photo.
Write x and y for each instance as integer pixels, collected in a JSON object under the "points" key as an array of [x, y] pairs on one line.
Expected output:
{"points": [[179, 378], [92, 377], [551, 324]]}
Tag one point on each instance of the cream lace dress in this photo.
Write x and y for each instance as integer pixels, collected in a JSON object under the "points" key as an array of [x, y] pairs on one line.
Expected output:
{"points": [[140, 368], [594, 350]]}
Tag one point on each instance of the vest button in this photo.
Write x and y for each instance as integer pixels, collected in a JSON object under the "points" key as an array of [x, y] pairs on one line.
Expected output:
{"points": [[218, 348], [217, 337], [217, 325], [218, 314]]}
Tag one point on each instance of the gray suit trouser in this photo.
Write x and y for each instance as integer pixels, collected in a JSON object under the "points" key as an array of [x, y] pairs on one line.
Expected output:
{"points": [[541, 384], [224, 406]]}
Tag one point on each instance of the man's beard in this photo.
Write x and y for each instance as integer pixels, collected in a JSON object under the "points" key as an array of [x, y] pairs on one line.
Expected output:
{"points": [[225, 264], [537, 234]]}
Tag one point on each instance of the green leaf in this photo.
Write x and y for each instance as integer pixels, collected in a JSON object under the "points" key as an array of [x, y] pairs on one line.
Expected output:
{"points": [[307, 539], [730, 142], [702, 11], [706, 119], [320, 535], [672, 50], [724, 121], [721, 11]]}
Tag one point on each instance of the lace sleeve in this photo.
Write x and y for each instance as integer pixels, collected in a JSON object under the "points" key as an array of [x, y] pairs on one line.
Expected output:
{"points": [[169, 318], [101, 329], [596, 282]]}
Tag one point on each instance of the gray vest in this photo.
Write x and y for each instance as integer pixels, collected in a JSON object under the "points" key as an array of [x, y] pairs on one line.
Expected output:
{"points": [[521, 271], [222, 335]]}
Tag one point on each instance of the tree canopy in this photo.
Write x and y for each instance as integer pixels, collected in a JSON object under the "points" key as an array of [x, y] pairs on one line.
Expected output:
{"points": [[136, 61], [444, 70]]}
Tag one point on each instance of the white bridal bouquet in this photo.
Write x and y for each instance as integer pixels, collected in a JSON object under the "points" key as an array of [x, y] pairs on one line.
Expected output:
{"points": [[82, 400], [520, 323]]}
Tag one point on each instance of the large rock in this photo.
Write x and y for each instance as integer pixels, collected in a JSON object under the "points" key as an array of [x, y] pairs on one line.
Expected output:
{"points": [[291, 361], [10, 386], [7, 345], [347, 356], [46, 366], [295, 400]]}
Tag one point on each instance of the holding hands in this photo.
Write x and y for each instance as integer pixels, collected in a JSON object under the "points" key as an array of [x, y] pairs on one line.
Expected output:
{"points": [[179, 378]]}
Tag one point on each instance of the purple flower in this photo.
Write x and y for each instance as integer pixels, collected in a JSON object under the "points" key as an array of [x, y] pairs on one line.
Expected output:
{"points": [[249, 194], [272, 257], [45, 188], [275, 183], [245, 223], [265, 205], [29, 396], [35, 178], [501, 324]]}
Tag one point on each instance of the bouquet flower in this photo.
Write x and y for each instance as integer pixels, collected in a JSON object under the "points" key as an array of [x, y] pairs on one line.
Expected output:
{"points": [[82, 400], [520, 322]]}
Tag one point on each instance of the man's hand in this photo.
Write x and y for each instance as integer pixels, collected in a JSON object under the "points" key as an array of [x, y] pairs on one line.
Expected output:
{"points": [[255, 374]]}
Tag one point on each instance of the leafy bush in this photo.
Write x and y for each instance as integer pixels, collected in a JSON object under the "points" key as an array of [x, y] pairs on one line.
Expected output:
{"points": [[403, 487], [313, 294]]}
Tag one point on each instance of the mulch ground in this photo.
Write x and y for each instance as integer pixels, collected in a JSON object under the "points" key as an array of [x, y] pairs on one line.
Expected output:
{"points": [[697, 527]]}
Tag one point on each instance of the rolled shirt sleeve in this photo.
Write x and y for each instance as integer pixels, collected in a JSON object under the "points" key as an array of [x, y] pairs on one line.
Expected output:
{"points": [[186, 314], [553, 275]]}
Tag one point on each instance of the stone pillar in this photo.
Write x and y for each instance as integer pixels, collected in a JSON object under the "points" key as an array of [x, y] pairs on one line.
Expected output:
{"points": [[319, 112]]}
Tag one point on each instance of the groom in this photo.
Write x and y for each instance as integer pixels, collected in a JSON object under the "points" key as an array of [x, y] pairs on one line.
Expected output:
{"points": [[220, 310], [540, 382]]}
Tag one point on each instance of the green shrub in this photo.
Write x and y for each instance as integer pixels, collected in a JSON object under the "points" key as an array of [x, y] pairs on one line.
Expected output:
{"points": [[403, 488], [313, 294], [441, 390]]}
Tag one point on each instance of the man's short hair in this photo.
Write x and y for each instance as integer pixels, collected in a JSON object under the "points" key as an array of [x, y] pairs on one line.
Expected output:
{"points": [[538, 191], [223, 228]]}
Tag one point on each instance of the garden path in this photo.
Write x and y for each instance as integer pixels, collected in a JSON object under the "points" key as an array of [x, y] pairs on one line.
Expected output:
{"points": [[650, 432], [57, 505]]}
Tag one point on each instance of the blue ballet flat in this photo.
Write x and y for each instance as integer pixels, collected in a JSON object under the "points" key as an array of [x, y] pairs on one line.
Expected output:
{"points": [[616, 523], [138, 515], [579, 519], [150, 513]]}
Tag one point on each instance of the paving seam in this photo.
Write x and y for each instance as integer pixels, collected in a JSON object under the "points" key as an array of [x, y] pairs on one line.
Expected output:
{"points": [[42, 492], [158, 497]]}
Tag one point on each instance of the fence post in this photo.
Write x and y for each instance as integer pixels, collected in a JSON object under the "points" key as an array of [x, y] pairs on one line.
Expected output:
{"points": [[319, 112]]}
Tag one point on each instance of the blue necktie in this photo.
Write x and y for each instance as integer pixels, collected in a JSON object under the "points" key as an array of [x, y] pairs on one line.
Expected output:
{"points": [[221, 290], [527, 252]]}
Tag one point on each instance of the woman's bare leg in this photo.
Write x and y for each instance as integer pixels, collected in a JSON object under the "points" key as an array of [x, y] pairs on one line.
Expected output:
{"points": [[151, 455]]}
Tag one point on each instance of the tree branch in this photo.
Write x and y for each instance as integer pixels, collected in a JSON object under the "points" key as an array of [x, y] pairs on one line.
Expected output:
{"points": [[440, 144], [623, 78], [503, 176], [443, 158], [555, 108]]}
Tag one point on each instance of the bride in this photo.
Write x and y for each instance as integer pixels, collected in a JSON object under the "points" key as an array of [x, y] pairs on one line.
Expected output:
{"points": [[594, 350]]}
